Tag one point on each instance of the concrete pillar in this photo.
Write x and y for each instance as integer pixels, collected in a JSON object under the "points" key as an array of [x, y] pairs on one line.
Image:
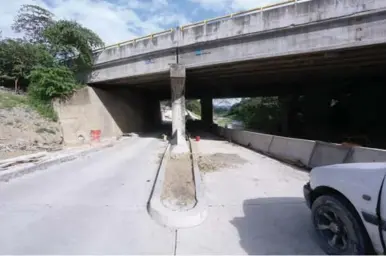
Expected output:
{"points": [[207, 110], [287, 108], [177, 77], [183, 113], [153, 113]]}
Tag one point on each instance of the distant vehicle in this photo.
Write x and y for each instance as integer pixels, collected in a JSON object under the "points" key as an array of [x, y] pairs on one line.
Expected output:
{"points": [[348, 206]]}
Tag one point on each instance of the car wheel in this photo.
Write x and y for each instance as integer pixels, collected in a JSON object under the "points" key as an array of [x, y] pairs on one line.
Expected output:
{"points": [[338, 229]]}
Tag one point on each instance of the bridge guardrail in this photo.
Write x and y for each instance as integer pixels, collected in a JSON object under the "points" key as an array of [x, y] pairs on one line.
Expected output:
{"points": [[305, 153], [204, 22]]}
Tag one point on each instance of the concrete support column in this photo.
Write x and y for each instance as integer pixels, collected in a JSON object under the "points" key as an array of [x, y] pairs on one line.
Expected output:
{"points": [[177, 77], [207, 110], [153, 113], [287, 109]]}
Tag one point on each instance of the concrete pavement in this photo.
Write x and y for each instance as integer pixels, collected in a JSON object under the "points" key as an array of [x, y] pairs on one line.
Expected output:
{"points": [[97, 205], [255, 208], [93, 205]]}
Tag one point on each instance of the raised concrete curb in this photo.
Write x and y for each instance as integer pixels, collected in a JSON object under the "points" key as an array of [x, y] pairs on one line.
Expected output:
{"points": [[18, 172], [177, 219]]}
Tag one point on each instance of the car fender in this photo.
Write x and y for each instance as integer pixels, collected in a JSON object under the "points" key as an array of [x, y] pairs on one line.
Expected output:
{"points": [[360, 184]]}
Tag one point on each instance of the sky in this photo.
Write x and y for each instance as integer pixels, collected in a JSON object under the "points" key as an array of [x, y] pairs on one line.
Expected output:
{"points": [[120, 20]]}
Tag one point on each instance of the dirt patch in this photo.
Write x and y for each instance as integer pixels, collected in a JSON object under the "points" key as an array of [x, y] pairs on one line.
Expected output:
{"points": [[214, 162], [22, 130], [179, 189]]}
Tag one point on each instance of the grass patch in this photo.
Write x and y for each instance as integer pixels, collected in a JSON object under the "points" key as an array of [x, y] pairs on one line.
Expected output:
{"points": [[45, 130], [9, 100], [45, 109], [223, 121]]}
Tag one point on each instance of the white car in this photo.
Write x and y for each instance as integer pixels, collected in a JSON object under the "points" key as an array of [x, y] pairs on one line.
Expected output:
{"points": [[348, 205]]}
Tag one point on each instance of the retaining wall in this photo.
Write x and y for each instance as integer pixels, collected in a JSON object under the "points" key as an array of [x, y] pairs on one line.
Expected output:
{"points": [[306, 153]]}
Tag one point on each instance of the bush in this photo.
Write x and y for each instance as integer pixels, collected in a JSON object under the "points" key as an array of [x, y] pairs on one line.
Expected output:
{"points": [[51, 83], [194, 106], [48, 84]]}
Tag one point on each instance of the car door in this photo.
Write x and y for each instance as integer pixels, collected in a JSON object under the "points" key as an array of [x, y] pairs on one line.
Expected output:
{"points": [[374, 213], [381, 212]]}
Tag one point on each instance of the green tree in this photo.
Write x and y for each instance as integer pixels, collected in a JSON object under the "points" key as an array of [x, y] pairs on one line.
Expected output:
{"points": [[72, 43], [32, 20], [68, 41], [194, 106], [261, 114], [47, 83], [48, 58], [52, 82], [18, 58]]}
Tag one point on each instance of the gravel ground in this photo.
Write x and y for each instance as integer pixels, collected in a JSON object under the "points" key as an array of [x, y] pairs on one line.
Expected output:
{"points": [[179, 189]]}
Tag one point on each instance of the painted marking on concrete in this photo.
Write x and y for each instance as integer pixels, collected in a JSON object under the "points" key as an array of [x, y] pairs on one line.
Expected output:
{"points": [[201, 52], [149, 61]]}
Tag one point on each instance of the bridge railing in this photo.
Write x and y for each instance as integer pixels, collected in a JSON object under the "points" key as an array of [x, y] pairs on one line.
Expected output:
{"points": [[204, 22]]}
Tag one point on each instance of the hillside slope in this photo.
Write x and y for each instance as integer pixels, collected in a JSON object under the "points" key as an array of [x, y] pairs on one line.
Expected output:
{"points": [[22, 129]]}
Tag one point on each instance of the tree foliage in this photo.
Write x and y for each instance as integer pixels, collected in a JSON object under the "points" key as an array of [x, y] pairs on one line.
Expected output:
{"points": [[18, 58], [32, 20], [53, 82], [48, 57], [258, 113], [73, 43], [194, 106]]}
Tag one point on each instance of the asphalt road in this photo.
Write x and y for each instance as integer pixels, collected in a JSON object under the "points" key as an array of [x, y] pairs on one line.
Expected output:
{"points": [[97, 205]]}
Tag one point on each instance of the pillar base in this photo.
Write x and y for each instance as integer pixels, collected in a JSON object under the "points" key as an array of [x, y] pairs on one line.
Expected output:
{"points": [[179, 144], [180, 149]]}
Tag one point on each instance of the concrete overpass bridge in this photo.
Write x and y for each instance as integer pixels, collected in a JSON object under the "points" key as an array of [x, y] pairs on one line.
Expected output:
{"points": [[289, 47]]}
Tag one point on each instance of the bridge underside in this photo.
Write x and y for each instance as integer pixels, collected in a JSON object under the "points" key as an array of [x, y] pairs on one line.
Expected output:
{"points": [[132, 104], [269, 77]]}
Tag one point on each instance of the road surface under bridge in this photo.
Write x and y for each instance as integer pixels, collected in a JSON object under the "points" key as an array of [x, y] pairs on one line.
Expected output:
{"points": [[97, 205]]}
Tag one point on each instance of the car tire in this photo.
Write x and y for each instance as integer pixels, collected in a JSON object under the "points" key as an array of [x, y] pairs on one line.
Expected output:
{"points": [[338, 227]]}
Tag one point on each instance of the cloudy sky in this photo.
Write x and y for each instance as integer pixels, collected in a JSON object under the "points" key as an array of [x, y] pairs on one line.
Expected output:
{"points": [[120, 20]]}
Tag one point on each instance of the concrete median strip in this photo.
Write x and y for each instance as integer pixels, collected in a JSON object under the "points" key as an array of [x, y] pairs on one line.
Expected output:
{"points": [[177, 218]]}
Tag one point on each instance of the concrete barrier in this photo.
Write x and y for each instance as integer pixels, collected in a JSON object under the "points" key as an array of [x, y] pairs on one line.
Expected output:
{"points": [[220, 131], [362, 154], [297, 151], [257, 141], [327, 153], [307, 153], [228, 134]]}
